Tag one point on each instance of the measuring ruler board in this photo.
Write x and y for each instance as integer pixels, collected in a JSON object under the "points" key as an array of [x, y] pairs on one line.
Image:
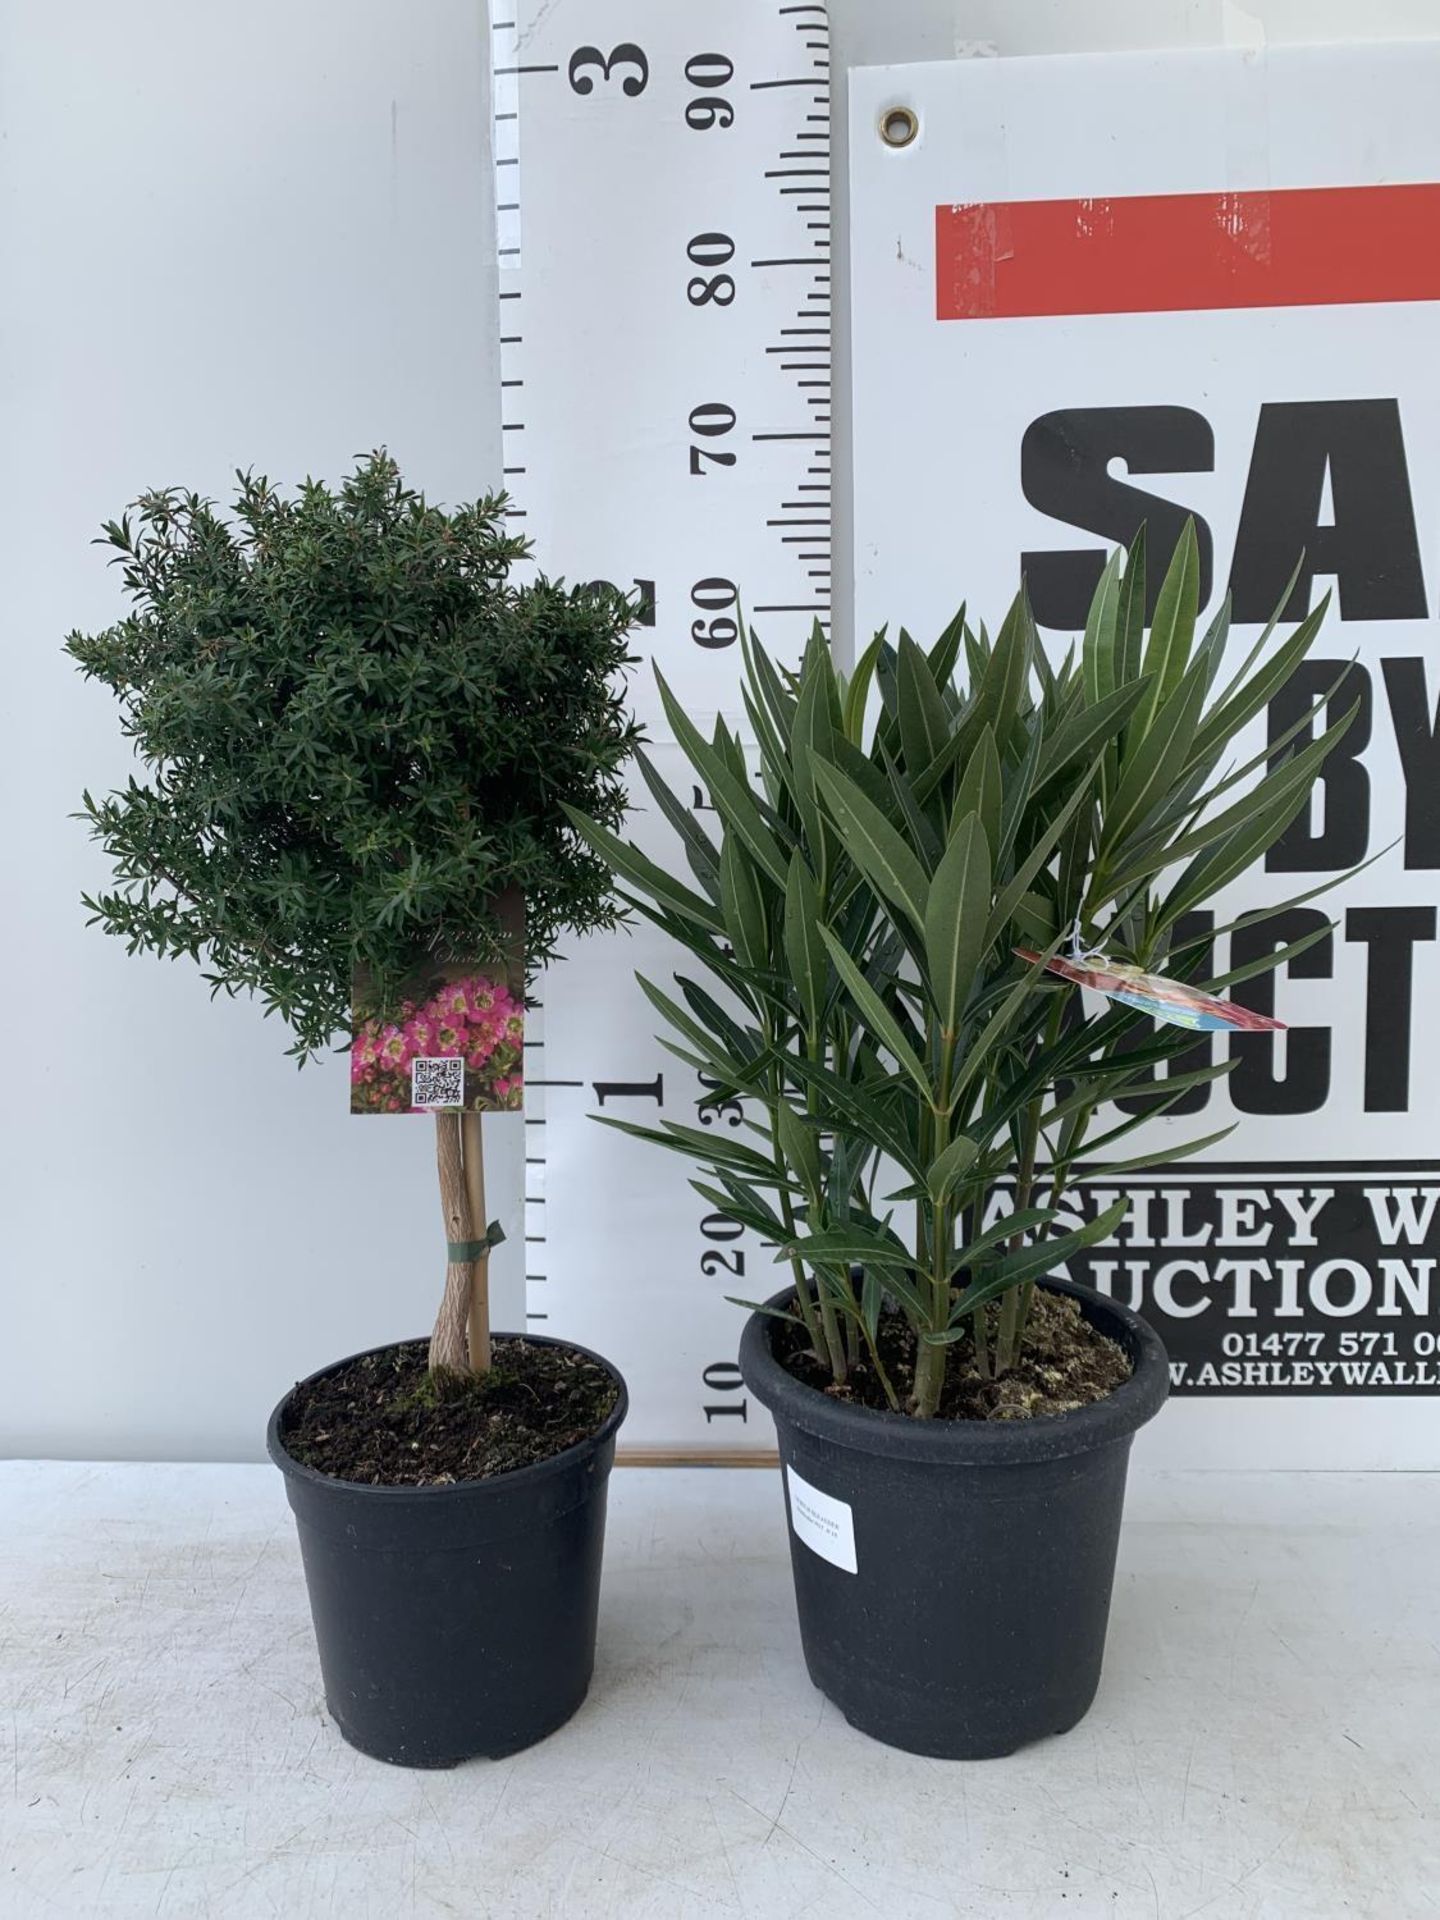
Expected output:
{"points": [[663, 219]]}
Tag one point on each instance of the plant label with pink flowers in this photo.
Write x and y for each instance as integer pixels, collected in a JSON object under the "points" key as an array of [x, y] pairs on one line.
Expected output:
{"points": [[452, 1039]]}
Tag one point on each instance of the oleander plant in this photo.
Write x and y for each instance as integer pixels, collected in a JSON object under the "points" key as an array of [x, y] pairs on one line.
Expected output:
{"points": [[920, 1096]]}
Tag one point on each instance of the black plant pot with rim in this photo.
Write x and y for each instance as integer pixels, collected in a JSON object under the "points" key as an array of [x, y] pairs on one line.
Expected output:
{"points": [[953, 1576], [455, 1622]]}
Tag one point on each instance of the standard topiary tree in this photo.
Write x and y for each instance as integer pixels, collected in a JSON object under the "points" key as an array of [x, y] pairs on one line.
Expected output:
{"points": [[357, 736]]}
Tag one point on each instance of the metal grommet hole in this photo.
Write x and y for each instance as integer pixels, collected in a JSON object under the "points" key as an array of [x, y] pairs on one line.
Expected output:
{"points": [[899, 126]]}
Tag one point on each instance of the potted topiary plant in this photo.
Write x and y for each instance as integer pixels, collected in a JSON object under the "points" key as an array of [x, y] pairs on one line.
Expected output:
{"points": [[359, 737], [894, 924]]}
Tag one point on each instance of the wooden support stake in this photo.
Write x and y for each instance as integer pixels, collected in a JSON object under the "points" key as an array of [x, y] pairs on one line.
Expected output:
{"points": [[479, 1316]]}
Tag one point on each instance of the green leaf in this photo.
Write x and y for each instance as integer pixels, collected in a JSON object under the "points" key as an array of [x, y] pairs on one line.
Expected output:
{"points": [[1020, 883], [632, 865], [800, 1145], [694, 1143], [876, 1015], [731, 795], [1026, 1220], [946, 651], [703, 856], [857, 694], [1225, 719], [812, 739], [1097, 652], [1041, 1258], [1151, 766], [1101, 722], [998, 1025], [1172, 629], [981, 787], [876, 847], [847, 1246], [924, 722], [740, 1203], [1210, 871], [852, 1109], [1158, 1158], [1297, 770], [734, 1072], [804, 949], [1130, 620], [956, 919], [742, 905], [1270, 962], [948, 1167], [1007, 673]]}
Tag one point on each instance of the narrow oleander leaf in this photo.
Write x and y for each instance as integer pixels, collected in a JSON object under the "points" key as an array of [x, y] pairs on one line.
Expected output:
{"points": [[722, 1148], [1156, 760], [805, 956], [924, 722], [800, 1145], [948, 1167], [731, 794], [700, 850], [848, 1245], [1229, 858], [742, 1073], [1230, 714], [1130, 620], [1297, 770], [981, 786], [877, 848], [1000, 1022], [857, 693], [945, 653], [743, 906], [1041, 1257], [1270, 962], [1097, 650], [642, 873], [1077, 735], [876, 1015], [956, 921], [1172, 627], [923, 833], [1161, 1156], [1022, 881], [841, 1105]]}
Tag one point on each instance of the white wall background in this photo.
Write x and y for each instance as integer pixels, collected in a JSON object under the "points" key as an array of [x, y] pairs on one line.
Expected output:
{"points": [[261, 235]]}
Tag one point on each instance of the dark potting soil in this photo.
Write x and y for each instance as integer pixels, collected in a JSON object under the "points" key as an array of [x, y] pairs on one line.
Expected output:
{"points": [[1064, 1363], [384, 1421]]}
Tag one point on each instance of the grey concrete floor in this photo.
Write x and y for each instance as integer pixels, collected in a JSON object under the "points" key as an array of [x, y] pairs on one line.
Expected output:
{"points": [[1265, 1746]]}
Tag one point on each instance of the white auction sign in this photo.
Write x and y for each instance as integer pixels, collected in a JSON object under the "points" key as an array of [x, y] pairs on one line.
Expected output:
{"points": [[663, 211], [1094, 292]]}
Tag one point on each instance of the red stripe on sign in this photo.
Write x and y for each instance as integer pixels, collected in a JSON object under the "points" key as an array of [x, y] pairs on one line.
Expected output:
{"points": [[1167, 252]]}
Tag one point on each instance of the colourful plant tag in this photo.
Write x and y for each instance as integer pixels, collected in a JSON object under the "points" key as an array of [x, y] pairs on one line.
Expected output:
{"points": [[454, 1041], [1168, 1000]]}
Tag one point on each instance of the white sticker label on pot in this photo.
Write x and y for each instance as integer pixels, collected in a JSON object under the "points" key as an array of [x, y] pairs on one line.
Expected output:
{"points": [[824, 1523]]}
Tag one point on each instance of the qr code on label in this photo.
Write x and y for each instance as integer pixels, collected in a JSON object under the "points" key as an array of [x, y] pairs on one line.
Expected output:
{"points": [[437, 1083]]}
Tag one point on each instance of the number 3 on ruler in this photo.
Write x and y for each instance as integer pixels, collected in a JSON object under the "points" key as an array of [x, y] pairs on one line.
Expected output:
{"points": [[625, 55]]}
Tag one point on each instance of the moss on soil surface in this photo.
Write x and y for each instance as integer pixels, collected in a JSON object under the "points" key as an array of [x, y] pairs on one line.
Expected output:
{"points": [[1065, 1363], [383, 1420]]}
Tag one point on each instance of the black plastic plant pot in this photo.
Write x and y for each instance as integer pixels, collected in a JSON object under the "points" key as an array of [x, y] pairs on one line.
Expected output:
{"points": [[953, 1576], [455, 1622]]}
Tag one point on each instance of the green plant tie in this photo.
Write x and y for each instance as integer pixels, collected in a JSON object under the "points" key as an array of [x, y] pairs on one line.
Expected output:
{"points": [[464, 1253]]}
